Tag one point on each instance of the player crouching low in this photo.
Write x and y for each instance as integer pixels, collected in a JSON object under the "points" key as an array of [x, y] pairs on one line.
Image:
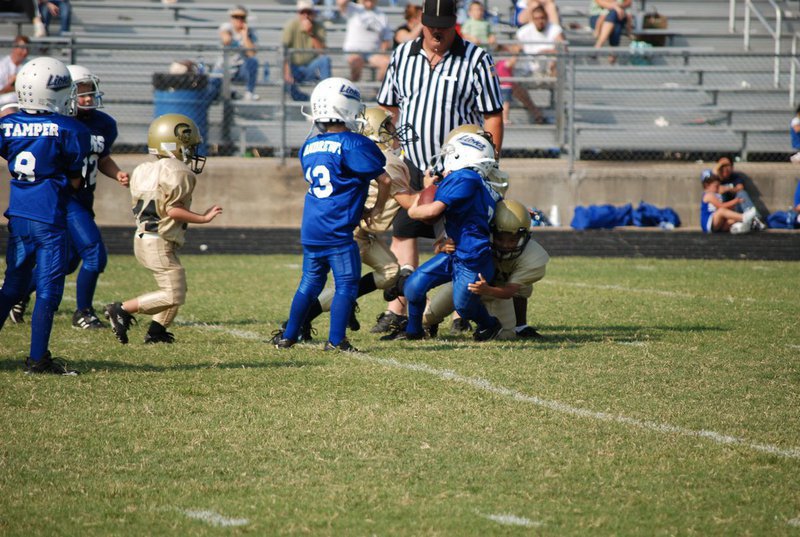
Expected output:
{"points": [[338, 165], [520, 262], [161, 193], [467, 203]]}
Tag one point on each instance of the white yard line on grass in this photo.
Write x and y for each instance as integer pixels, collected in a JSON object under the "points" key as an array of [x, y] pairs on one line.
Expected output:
{"points": [[513, 520], [214, 518], [664, 428], [795, 522], [485, 385]]}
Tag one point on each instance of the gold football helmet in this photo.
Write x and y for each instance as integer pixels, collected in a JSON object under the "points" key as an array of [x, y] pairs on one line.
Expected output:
{"points": [[511, 229], [176, 136], [377, 126]]}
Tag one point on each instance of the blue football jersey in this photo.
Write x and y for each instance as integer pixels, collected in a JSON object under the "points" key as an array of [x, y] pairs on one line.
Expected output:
{"points": [[42, 150], [338, 167], [104, 132], [470, 207]]}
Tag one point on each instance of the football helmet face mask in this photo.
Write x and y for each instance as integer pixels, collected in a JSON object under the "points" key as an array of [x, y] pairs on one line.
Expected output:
{"points": [[466, 150], [176, 136], [377, 126], [44, 84], [337, 100], [87, 88], [511, 229]]}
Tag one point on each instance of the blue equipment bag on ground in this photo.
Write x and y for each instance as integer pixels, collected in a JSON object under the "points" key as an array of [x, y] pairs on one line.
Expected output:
{"points": [[601, 216], [647, 215]]}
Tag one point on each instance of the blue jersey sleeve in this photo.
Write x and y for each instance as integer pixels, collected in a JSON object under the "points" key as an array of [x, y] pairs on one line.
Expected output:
{"points": [[457, 187], [363, 158]]}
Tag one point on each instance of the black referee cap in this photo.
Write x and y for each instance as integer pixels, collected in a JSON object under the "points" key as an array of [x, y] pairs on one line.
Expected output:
{"points": [[439, 13]]}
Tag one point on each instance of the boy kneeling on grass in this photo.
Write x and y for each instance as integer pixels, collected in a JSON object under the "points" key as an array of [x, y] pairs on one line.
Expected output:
{"points": [[161, 193]]}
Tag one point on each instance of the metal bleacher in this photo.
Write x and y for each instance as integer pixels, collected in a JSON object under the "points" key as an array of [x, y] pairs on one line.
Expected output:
{"points": [[701, 92]]}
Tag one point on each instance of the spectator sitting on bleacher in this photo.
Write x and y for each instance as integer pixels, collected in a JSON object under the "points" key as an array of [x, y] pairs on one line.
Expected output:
{"points": [[303, 32], [609, 20], [732, 184], [522, 11], [718, 216], [368, 31], [55, 8], [412, 28], [509, 88], [9, 66], [540, 37], [236, 34], [476, 28]]}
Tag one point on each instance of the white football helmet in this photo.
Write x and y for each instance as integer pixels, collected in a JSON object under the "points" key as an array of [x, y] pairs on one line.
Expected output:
{"points": [[45, 84], [467, 150], [82, 75], [337, 100]]}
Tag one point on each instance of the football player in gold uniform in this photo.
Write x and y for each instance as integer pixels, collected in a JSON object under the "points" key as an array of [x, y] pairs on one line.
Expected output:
{"points": [[161, 192], [520, 263]]}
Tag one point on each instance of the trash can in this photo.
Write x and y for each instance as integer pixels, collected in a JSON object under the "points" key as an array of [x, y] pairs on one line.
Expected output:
{"points": [[189, 94]]}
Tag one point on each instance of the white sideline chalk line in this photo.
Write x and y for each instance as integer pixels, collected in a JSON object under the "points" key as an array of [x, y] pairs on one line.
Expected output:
{"points": [[795, 522], [512, 520], [214, 518], [665, 428], [243, 334], [485, 385]]}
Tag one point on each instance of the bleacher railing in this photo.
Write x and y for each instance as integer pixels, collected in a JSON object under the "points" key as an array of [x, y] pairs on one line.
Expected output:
{"points": [[666, 103]]}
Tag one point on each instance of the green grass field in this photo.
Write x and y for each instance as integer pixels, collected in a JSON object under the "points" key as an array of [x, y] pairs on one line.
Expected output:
{"points": [[665, 400]]}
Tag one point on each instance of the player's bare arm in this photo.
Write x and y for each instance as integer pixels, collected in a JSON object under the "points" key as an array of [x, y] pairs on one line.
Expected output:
{"points": [[110, 168], [182, 214], [384, 184]]}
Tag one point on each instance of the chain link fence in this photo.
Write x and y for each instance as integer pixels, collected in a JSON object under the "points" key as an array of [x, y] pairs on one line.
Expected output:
{"points": [[639, 104]]}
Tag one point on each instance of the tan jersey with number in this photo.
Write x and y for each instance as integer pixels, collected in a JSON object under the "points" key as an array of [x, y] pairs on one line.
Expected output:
{"points": [[401, 183], [525, 270], [157, 187]]}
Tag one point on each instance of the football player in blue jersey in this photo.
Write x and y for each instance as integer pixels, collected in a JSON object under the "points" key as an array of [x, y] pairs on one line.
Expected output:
{"points": [[338, 165], [467, 201], [86, 243], [46, 152]]}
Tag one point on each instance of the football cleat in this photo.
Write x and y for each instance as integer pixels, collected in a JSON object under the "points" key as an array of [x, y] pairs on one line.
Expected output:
{"points": [[280, 342], [487, 334], [17, 313], [343, 346], [528, 332], [120, 320], [401, 334], [157, 333], [47, 366], [306, 332], [86, 320], [432, 330], [388, 322], [353, 323], [757, 224], [460, 325]]}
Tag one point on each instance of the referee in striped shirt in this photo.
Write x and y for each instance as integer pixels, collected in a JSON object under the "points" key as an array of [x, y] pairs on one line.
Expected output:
{"points": [[436, 82]]}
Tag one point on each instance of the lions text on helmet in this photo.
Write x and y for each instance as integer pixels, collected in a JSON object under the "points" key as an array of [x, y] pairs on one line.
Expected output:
{"points": [[511, 229], [336, 100], [176, 136], [467, 150], [87, 88], [44, 84]]}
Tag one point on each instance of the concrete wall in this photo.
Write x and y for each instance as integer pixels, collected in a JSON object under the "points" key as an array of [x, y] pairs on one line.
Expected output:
{"points": [[259, 192]]}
